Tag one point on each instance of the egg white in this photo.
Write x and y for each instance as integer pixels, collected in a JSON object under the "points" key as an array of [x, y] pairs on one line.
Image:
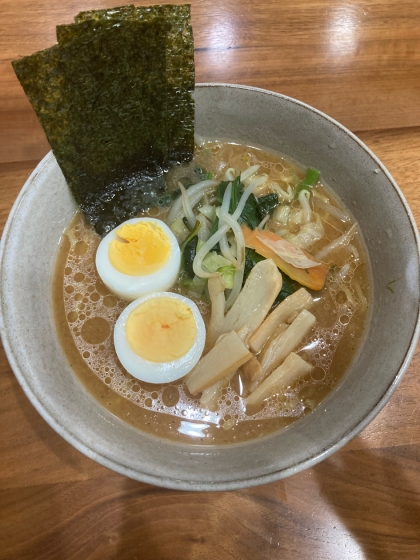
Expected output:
{"points": [[155, 372], [132, 287]]}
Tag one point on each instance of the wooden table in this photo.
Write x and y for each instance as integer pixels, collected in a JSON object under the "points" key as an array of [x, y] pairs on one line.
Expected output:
{"points": [[358, 61]]}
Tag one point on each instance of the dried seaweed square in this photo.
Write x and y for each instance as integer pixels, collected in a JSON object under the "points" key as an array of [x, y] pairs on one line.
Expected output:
{"points": [[107, 96]]}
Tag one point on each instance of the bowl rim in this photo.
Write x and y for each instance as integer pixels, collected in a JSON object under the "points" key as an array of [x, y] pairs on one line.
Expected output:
{"points": [[175, 483]]}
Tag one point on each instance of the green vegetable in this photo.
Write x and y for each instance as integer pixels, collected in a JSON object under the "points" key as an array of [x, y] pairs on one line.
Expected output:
{"points": [[217, 263], [250, 214], [221, 191], [214, 228], [188, 256], [189, 250], [186, 224], [255, 209], [212, 262], [178, 227], [312, 176], [228, 275], [266, 204], [209, 211], [237, 189], [193, 234], [110, 97]]}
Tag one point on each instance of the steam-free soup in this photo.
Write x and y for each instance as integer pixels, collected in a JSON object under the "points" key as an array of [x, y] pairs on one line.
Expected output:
{"points": [[315, 222]]}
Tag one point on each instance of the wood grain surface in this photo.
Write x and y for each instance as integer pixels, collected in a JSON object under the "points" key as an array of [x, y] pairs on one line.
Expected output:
{"points": [[357, 60]]}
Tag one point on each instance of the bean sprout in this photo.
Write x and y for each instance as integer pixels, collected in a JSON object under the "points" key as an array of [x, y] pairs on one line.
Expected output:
{"points": [[186, 205], [204, 232], [306, 207], [359, 293], [342, 273], [208, 246], [287, 196], [216, 237], [239, 236], [352, 249], [229, 174], [200, 187], [249, 172], [320, 196], [263, 222], [349, 296], [224, 209], [237, 286], [281, 214], [333, 211], [240, 255], [341, 241]]}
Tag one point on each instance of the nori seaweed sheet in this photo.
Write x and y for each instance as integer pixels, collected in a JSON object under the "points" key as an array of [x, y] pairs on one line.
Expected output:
{"points": [[108, 96], [180, 71]]}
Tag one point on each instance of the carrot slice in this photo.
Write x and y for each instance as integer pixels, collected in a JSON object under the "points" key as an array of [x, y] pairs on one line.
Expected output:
{"points": [[312, 278]]}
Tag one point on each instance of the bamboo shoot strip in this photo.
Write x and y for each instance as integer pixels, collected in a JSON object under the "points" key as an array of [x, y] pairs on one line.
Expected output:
{"points": [[292, 368], [281, 346], [252, 369], [278, 335], [211, 395], [217, 297], [294, 303], [226, 357], [256, 298]]}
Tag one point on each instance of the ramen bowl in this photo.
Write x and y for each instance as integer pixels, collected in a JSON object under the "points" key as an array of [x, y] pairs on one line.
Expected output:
{"points": [[260, 118]]}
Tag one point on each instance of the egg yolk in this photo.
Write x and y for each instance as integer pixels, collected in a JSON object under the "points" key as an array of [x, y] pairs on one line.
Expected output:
{"points": [[161, 329], [140, 249]]}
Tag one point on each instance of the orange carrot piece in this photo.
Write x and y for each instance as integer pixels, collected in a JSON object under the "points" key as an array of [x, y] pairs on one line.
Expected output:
{"points": [[312, 278]]}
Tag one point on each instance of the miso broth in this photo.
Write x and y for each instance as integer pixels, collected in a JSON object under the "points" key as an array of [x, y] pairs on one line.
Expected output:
{"points": [[86, 312]]}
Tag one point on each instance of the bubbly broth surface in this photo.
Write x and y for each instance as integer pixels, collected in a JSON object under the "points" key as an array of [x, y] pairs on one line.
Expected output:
{"points": [[86, 312]]}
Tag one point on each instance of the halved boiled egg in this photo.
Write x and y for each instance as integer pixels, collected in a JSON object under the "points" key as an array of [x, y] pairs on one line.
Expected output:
{"points": [[160, 337], [138, 257]]}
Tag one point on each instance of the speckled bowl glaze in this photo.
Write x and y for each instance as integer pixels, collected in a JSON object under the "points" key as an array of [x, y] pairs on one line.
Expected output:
{"points": [[28, 251]]}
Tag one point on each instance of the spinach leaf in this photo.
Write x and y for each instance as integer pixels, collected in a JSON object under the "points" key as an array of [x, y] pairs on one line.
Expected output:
{"points": [[221, 191], [237, 189], [213, 230], [189, 250], [266, 204], [250, 215], [189, 253]]}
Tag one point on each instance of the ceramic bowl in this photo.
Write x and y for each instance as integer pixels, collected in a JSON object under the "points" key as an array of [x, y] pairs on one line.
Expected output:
{"points": [[253, 116]]}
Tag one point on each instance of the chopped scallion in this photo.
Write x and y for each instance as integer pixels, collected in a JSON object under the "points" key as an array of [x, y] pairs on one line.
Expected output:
{"points": [[312, 176]]}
